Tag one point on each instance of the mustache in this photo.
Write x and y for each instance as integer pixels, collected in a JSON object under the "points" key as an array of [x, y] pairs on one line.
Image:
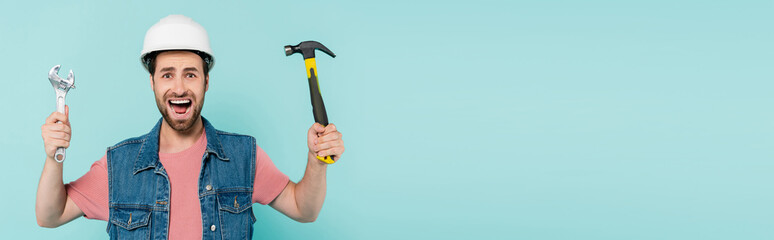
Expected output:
{"points": [[176, 95]]}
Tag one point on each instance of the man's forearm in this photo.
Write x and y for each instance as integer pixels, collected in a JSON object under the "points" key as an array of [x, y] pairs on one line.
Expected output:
{"points": [[51, 197], [310, 191]]}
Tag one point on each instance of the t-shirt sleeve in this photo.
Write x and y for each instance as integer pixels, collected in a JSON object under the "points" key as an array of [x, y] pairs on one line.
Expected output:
{"points": [[269, 181], [90, 192]]}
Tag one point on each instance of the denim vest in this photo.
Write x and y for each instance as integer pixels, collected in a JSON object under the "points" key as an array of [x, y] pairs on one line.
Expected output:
{"points": [[139, 187]]}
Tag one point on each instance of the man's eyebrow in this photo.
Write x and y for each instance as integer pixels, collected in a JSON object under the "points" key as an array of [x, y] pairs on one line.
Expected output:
{"points": [[167, 69], [190, 69]]}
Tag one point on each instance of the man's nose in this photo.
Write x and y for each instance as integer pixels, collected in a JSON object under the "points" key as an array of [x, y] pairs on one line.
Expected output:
{"points": [[179, 86]]}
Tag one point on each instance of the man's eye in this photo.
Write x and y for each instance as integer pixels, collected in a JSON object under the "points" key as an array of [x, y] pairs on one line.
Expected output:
{"points": [[166, 75], [191, 75]]}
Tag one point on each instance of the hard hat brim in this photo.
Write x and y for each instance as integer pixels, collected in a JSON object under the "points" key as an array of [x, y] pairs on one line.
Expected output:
{"points": [[206, 57]]}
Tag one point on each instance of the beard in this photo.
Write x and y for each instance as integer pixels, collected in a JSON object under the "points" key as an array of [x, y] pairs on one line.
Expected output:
{"points": [[180, 125]]}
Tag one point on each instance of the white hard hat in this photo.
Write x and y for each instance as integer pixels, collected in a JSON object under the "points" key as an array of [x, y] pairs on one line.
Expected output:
{"points": [[177, 32]]}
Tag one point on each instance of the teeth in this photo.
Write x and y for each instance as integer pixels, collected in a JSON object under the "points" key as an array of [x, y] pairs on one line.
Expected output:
{"points": [[180, 101]]}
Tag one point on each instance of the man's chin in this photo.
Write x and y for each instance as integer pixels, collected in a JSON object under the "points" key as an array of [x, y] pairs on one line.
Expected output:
{"points": [[180, 125]]}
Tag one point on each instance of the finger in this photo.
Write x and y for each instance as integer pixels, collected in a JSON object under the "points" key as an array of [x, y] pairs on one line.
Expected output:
{"points": [[60, 143], [50, 119], [331, 152], [312, 135], [337, 156], [318, 128], [56, 135], [315, 130], [65, 128], [56, 117], [60, 136], [329, 128], [330, 137], [322, 153], [56, 127], [64, 144], [65, 136], [328, 145]]}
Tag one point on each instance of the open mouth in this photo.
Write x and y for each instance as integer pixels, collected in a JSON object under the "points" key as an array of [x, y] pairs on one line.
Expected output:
{"points": [[181, 107]]}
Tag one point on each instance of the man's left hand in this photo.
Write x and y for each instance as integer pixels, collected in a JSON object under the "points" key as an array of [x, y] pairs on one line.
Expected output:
{"points": [[325, 141]]}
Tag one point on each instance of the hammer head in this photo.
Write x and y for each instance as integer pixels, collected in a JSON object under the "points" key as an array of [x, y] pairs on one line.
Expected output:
{"points": [[307, 49], [58, 82]]}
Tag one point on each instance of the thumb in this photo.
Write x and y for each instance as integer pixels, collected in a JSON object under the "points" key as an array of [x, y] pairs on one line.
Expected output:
{"points": [[314, 130], [318, 127], [67, 115]]}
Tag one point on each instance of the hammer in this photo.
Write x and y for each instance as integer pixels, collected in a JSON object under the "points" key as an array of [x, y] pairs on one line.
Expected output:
{"points": [[307, 49]]}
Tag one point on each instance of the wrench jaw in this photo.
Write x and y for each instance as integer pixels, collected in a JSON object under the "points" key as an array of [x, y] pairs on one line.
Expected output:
{"points": [[53, 76], [61, 84], [71, 80]]}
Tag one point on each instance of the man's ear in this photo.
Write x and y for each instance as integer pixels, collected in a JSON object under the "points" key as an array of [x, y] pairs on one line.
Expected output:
{"points": [[151, 82], [207, 82]]}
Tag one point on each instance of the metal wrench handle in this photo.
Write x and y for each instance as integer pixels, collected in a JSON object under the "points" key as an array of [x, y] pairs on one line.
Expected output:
{"points": [[60, 107]]}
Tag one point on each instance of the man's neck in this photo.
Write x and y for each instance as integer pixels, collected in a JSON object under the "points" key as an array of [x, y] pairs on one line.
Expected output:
{"points": [[172, 141]]}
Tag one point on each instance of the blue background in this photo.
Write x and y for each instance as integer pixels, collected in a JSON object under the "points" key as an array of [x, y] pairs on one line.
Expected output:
{"points": [[462, 120]]}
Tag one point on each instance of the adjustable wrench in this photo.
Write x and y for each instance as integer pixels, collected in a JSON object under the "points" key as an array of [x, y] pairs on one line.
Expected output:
{"points": [[61, 86]]}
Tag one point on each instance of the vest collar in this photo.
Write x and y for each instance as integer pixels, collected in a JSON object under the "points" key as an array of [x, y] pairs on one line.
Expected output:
{"points": [[149, 150], [213, 146]]}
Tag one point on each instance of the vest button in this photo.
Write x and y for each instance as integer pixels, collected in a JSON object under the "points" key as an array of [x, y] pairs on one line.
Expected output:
{"points": [[212, 228], [209, 187]]}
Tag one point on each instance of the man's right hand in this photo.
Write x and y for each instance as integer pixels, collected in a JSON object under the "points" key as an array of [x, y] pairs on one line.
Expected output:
{"points": [[52, 205], [56, 134]]}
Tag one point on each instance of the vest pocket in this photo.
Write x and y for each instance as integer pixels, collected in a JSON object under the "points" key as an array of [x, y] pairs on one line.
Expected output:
{"points": [[236, 215], [130, 223]]}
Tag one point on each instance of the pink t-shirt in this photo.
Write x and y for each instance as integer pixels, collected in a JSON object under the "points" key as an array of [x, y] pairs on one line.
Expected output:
{"points": [[90, 192]]}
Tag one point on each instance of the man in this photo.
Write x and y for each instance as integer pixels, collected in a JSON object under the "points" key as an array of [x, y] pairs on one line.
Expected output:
{"points": [[184, 179]]}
